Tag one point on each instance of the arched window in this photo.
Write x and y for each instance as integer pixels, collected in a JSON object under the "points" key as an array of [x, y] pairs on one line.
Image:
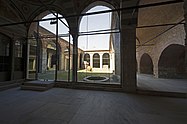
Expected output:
{"points": [[96, 60], [96, 36], [106, 60], [87, 57], [48, 51]]}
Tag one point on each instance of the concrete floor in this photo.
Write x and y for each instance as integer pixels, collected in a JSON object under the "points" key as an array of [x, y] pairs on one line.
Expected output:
{"points": [[70, 106], [148, 82]]}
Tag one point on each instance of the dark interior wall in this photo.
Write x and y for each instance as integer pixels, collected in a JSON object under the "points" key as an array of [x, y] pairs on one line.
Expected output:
{"points": [[146, 64], [4, 57], [11, 58], [171, 63]]}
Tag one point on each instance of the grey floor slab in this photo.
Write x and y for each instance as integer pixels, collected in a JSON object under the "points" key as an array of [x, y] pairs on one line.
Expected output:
{"points": [[148, 82], [70, 106]]}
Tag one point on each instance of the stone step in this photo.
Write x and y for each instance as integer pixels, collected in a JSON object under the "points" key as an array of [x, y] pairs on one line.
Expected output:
{"points": [[34, 88], [11, 82], [162, 93], [37, 85], [90, 86], [8, 86]]}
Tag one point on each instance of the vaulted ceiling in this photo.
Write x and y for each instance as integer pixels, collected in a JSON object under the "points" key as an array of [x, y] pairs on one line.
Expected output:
{"points": [[12, 11]]}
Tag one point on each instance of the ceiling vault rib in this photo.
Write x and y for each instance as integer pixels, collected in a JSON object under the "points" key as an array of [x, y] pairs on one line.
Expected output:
{"points": [[18, 10], [160, 25], [138, 40], [46, 6], [99, 12], [162, 32]]}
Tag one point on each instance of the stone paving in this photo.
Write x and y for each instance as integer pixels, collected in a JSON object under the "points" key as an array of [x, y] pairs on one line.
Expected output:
{"points": [[148, 82], [70, 106]]}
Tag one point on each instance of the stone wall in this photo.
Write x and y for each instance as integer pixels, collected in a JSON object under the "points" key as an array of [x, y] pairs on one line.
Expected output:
{"points": [[155, 39], [185, 16]]}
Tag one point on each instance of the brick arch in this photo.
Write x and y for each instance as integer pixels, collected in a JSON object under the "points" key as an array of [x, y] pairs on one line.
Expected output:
{"points": [[146, 64], [172, 62], [42, 12], [40, 16]]}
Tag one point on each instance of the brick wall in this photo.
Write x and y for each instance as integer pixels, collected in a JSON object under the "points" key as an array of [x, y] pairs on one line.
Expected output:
{"points": [[155, 45]]}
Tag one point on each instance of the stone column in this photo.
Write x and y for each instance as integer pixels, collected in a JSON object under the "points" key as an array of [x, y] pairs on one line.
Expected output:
{"points": [[49, 60], [44, 59], [61, 58], [12, 59], [185, 26], [101, 61], [91, 60], [27, 56], [34, 65], [155, 68], [74, 32], [128, 46], [112, 62]]}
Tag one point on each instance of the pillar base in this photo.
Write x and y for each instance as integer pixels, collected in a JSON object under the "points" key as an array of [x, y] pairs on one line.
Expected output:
{"points": [[130, 89]]}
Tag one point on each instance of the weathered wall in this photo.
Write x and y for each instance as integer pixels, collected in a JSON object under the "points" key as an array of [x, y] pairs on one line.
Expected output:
{"points": [[185, 16], [155, 39]]}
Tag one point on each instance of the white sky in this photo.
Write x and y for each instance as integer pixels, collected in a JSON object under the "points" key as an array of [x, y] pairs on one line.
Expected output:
{"points": [[88, 23]]}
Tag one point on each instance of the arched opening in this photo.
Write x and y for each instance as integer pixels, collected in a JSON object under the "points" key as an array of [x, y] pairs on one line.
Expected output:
{"points": [[96, 60], [146, 64], [106, 61], [86, 61], [87, 57], [96, 37], [50, 48], [172, 62]]}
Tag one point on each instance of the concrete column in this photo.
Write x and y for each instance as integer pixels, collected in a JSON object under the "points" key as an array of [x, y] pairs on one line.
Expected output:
{"points": [[128, 46], [101, 61], [91, 60]]}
